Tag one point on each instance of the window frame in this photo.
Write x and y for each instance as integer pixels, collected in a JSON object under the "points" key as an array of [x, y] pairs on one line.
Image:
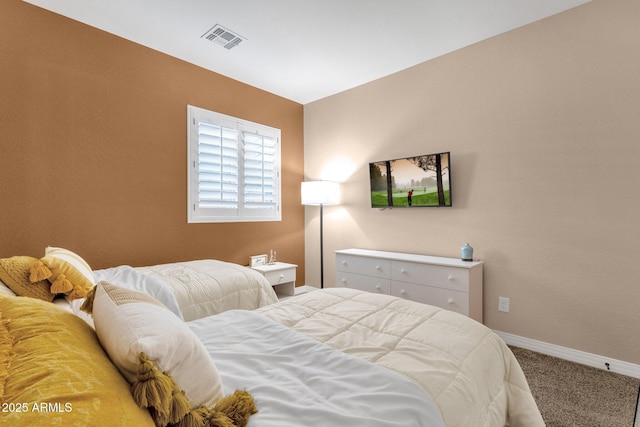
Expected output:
{"points": [[246, 210]]}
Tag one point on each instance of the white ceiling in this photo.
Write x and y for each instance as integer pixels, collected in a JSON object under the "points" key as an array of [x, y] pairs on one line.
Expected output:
{"points": [[305, 50]]}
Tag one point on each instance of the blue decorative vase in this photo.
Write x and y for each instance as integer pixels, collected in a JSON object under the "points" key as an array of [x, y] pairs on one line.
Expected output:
{"points": [[466, 252]]}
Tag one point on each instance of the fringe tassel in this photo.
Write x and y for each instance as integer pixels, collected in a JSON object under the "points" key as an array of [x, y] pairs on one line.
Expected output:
{"points": [[180, 405], [195, 418], [79, 291], [152, 388], [87, 305], [168, 405], [218, 419], [160, 419], [61, 285], [39, 272], [238, 406]]}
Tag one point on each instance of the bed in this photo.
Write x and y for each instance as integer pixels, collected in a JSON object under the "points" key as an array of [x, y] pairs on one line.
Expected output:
{"points": [[329, 357], [191, 289], [201, 287], [465, 367], [457, 374]]}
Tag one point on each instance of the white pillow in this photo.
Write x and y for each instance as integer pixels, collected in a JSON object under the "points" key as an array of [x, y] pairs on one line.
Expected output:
{"points": [[129, 322]]}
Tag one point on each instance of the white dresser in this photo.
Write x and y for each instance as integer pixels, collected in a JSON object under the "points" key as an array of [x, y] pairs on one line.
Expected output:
{"points": [[449, 283]]}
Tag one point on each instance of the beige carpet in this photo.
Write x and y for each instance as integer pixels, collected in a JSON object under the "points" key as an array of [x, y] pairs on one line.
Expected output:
{"points": [[573, 395]]}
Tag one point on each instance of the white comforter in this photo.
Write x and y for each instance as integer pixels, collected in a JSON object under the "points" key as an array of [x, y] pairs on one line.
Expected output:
{"points": [[126, 277], [467, 369], [297, 381], [206, 287]]}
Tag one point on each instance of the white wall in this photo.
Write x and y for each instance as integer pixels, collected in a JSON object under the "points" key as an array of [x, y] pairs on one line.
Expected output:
{"points": [[542, 125]]}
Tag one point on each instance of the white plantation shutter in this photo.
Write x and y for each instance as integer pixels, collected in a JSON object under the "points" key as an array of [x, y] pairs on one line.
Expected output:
{"points": [[234, 169], [217, 167]]}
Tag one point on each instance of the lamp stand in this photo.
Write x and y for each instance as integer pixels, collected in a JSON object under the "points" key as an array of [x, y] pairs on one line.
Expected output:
{"points": [[320, 193], [321, 252]]}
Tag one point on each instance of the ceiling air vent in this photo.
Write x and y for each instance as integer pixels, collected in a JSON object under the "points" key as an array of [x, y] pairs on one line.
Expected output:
{"points": [[222, 36]]}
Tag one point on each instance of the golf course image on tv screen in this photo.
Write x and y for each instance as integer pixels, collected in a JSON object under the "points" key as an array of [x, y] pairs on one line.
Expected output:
{"points": [[418, 181]]}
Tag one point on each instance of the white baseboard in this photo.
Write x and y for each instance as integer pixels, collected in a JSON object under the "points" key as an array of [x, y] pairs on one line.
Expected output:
{"points": [[584, 358]]}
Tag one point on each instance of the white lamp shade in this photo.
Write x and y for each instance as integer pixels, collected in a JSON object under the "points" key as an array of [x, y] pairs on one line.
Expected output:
{"points": [[320, 193]]}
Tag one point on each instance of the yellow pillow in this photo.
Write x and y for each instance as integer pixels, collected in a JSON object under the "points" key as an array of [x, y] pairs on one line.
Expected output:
{"points": [[53, 371], [14, 272], [68, 273]]}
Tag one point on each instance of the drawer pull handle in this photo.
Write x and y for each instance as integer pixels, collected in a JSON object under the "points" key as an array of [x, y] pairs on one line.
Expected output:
{"points": [[378, 287], [403, 292], [451, 278], [402, 270], [344, 262], [344, 280], [378, 267], [450, 300]]}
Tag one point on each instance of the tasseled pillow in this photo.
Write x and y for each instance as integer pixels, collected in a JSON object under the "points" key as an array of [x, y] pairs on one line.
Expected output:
{"points": [[167, 404]]}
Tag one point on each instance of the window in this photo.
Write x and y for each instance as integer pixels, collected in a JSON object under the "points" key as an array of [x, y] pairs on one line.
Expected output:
{"points": [[234, 169]]}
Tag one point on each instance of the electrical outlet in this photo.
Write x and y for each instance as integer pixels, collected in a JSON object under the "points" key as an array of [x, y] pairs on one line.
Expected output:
{"points": [[503, 304]]}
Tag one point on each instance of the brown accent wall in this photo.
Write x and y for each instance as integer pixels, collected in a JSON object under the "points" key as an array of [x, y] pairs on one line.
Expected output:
{"points": [[93, 139]]}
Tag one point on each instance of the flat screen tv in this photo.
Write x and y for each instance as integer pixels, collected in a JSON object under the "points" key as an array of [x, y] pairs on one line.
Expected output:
{"points": [[418, 181]]}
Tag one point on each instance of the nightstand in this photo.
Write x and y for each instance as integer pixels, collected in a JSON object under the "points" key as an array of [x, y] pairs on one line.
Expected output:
{"points": [[282, 277]]}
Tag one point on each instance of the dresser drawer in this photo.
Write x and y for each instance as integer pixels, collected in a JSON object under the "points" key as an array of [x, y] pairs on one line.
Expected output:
{"points": [[448, 283], [432, 275], [281, 276], [363, 265], [364, 283], [444, 298]]}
